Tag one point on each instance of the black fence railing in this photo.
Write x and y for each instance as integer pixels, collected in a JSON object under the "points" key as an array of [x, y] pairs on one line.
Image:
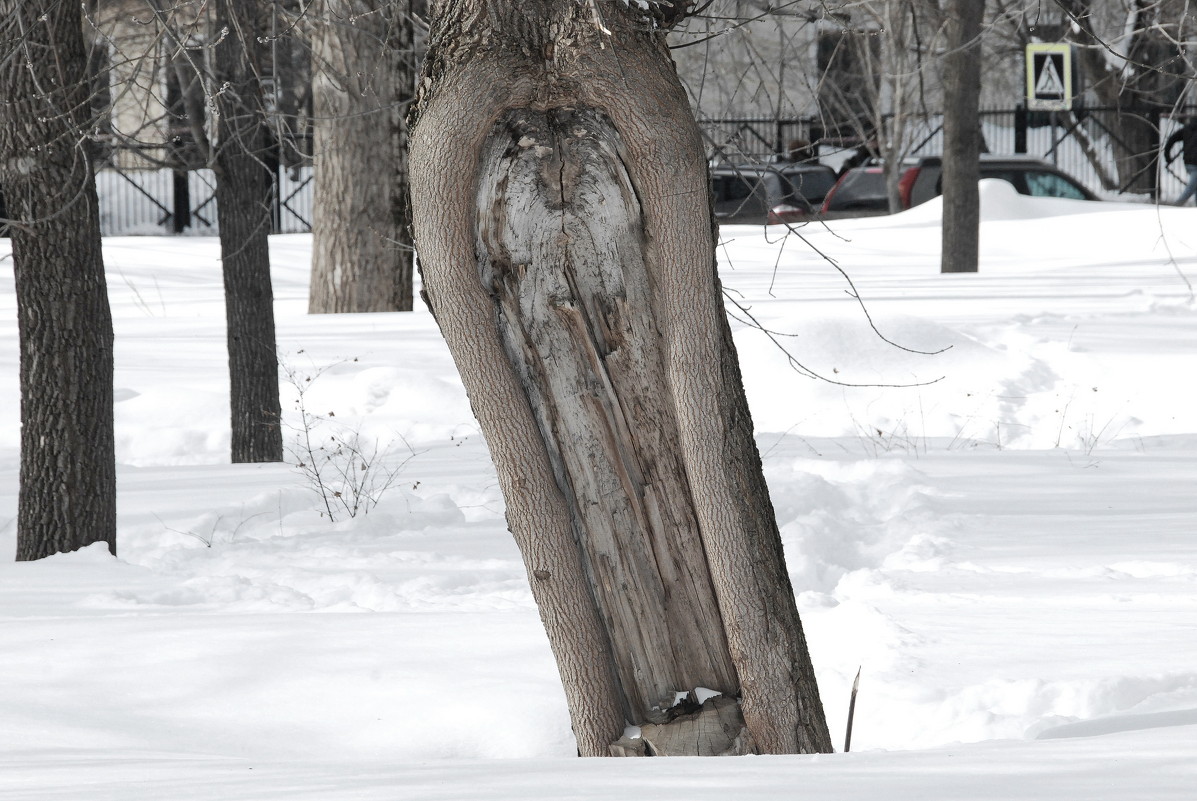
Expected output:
{"points": [[163, 201], [1115, 152]]}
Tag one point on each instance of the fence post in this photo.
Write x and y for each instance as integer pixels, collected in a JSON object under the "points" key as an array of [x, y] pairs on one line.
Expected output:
{"points": [[273, 163], [1020, 128], [1154, 117], [180, 216]]}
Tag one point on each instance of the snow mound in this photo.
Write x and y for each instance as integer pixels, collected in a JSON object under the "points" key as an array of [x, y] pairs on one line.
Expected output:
{"points": [[1007, 552], [1001, 201]]}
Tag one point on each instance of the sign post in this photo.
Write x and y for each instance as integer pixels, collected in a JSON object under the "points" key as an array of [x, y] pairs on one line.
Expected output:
{"points": [[1049, 77]]}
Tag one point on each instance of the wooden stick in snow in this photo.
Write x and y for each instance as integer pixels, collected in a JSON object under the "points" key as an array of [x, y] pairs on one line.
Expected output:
{"points": [[851, 712]]}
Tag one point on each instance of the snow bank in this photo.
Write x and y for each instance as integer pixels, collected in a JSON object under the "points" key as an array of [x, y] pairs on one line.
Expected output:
{"points": [[991, 513]]}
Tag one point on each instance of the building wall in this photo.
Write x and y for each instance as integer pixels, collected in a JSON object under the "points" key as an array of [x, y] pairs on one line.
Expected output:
{"points": [[137, 52]]}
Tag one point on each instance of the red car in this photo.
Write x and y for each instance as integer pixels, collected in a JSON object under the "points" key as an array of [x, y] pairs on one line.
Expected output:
{"points": [[861, 191]]}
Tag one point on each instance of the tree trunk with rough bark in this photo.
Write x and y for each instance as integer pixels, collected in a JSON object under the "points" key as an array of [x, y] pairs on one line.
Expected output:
{"points": [[68, 465], [362, 58], [562, 216], [243, 202], [962, 137]]}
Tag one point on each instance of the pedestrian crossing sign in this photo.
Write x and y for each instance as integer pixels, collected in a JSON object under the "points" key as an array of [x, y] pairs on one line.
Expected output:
{"points": [[1049, 77]]}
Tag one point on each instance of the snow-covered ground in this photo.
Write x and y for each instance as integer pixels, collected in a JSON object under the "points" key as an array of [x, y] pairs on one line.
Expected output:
{"points": [[1002, 534]]}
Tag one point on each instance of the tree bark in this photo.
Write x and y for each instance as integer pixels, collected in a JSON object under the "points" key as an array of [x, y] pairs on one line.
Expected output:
{"points": [[362, 53], [962, 137], [243, 202], [68, 465], [561, 212]]}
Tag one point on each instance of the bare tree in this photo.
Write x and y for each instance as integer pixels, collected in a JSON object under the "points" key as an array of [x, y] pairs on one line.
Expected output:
{"points": [[848, 82], [68, 469], [217, 57], [747, 58], [243, 206], [898, 63], [865, 66], [364, 75], [1135, 58], [961, 136], [561, 213]]}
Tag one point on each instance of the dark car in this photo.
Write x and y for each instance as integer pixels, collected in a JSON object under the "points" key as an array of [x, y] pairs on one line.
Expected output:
{"points": [[861, 191], [759, 194]]}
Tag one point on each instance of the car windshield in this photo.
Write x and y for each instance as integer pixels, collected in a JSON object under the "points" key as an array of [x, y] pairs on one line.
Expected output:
{"points": [[810, 186], [740, 195], [1046, 184], [1010, 176], [733, 187], [860, 189]]}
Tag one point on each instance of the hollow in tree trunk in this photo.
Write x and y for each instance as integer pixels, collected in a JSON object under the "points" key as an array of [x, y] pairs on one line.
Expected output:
{"points": [[562, 216]]}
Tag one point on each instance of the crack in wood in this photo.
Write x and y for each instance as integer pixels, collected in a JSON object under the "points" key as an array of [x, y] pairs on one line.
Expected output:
{"points": [[560, 247]]}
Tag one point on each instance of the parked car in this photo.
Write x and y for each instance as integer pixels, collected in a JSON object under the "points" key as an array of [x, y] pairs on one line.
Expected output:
{"points": [[861, 191], [759, 194]]}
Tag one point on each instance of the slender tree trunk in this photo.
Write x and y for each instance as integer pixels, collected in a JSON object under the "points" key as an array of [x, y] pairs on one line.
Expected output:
{"points": [[962, 137], [243, 200], [68, 469], [560, 207], [362, 54]]}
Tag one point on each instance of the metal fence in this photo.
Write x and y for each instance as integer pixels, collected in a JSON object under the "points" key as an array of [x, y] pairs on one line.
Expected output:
{"points": [[1115, 152], [162, 201]]}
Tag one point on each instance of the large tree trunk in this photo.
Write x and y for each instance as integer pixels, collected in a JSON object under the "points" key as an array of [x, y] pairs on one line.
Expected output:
{"points": [[962, 137], [363, 77], [68, 468], [243, 202], [566, 244]]}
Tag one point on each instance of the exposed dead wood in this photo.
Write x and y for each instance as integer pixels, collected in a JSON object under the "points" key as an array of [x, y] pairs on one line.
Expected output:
{"points": [[560, 248], [714, 729]]}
